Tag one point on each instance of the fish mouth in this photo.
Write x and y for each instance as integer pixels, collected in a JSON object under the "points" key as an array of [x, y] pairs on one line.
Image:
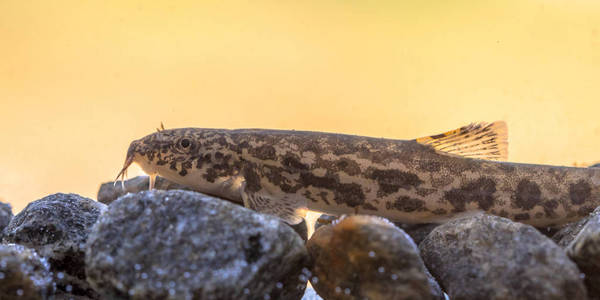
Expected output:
{"points": [[128, 162], [123, 172]]}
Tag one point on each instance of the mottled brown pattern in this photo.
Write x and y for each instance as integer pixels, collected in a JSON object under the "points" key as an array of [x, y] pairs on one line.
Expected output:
{"points": [[579, 192], [390, 181], [480, 191], [527, 195]]}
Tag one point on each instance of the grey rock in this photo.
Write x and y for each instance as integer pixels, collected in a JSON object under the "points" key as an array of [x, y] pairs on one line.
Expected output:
{"points": [[584, 250], [5, 216], [57, 227], [182, 244], [417, 232], [568, 232], [24, 274], [595, 165], [110, 191], [368, 257], [489, 257]]}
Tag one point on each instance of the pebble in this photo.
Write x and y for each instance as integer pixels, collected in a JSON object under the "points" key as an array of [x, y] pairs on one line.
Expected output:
{"points": [[367, 257], [181, 244], [24, 274], [57, 228], [489, 257]]}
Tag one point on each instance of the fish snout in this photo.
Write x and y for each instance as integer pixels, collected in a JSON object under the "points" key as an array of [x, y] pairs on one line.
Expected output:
{"points": [[129, 159]]}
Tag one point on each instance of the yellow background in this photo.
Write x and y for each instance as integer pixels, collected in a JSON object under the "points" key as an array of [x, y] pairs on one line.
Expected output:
{"points": [[80, 79]]}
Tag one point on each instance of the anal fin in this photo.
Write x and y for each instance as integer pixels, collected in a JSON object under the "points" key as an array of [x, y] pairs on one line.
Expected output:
{"points": [[476, 140]]}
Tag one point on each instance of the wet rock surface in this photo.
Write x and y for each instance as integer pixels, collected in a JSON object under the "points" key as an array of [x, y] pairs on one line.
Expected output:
{"points": [[110, 191], [57, 227], [366, 257], [24, 274], [185, 245], [5, 216], [489, 257], [583, 246]]}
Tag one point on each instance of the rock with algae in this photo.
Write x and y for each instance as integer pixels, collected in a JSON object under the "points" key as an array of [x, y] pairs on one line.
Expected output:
{"points": [[185, 245]]}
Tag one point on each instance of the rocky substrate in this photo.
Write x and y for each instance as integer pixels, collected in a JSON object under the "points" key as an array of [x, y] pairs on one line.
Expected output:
{"points": [[176, 244]]}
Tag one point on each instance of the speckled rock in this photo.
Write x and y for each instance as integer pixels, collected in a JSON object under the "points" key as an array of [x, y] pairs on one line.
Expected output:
{"points": [[368, 257], [184, 245], [489, 257], [24, 274], [57, 227], [5, 216], [582, 242], [110, 191]]}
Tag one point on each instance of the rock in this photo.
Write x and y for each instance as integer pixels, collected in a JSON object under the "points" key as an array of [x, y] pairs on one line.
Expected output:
{"points": [[301, 229], [568, 232], [311, 294], [183, 245], [324, 220], [61, 295], [5, 216], [110, 191], [57, 227], [24, 274], [582, 243], [367, 257], [595, 165], [417, 232], [489, 257]]}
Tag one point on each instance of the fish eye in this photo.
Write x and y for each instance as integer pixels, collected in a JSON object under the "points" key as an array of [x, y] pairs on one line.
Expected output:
{"points": [[185, 143]]}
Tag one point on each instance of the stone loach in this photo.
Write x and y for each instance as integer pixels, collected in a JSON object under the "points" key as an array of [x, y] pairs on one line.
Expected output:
{"points": [[489, 257], [57, 227], [186, 245], [368, 257], [24, 274]]}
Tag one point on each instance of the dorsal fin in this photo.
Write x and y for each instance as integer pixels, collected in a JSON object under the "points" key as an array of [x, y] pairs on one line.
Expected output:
{"points": [[476, 140]]}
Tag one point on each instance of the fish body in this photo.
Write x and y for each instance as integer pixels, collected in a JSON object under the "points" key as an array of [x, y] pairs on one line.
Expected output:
{"points": [[426, 180]]}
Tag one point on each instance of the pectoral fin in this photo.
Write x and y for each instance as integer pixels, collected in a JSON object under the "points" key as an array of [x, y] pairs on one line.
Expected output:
{"points": [[290, 208], [476, 140]]}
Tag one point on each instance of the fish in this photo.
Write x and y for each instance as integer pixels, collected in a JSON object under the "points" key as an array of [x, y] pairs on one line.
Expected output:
{"points": [[430, 179]]}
